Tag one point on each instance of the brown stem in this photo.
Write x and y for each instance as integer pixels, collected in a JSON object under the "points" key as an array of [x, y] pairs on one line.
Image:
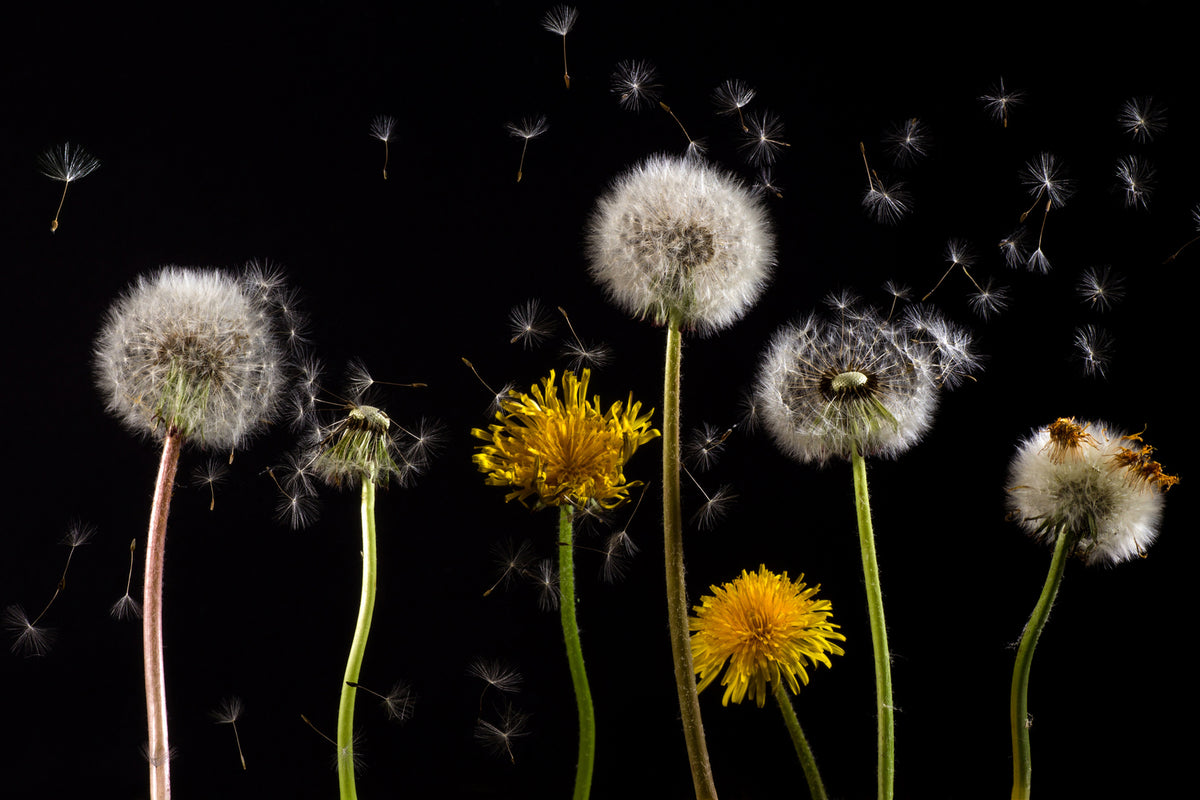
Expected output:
{"points": [[158, 748]]}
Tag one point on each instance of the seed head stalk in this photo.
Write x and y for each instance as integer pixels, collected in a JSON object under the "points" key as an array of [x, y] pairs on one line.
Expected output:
{"points": [[816, 788], [358, 646], [886, 744], [1018, 714], [159, 749], [677, 606], [583, 694]]}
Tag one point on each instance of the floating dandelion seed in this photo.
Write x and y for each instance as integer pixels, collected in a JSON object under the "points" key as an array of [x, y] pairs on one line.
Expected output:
{"points": [[907, 141], [705, 445], [513, 560], [885, 203], [634, 84], [731, 97], [127, 607], [211, 473], [560, 20], [381, 128], [1000, 100], [31, 638], [591, 355], [767, 629], [398, 703], [228, 713], [1142, 119], [989, 299], [1196, 224], [715, 504], [957, 254], [545, 578], [1094, 347], [1045, 177], [499, 737], [1013, 248], [695, 147], [497, 675], [529, 323], [764, 137], [766, 183], [66, 163], [1100, 288], [530, 128], [1136, 180]]}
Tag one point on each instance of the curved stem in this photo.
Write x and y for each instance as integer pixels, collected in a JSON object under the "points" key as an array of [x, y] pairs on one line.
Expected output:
{"points": [[886, 741], [358, 646], [677, 608], [815, 787], [1018, 709], [158, 747], [583, 694]]}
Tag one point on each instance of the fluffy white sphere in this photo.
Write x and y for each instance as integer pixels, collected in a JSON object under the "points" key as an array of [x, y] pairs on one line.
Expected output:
{"points": [[674, 237]]}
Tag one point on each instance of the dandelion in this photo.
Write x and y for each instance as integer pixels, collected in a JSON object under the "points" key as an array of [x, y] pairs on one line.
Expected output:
{"points": [[195, 356], [66, 163], [1090, 491], [908, 141], [398, 703], [1013, 248], [674, 239], [1046, 177], [594, 355], [999, 100], [731, 97], [495, 675], [764, 137], [705, 445], [529, 128], [127, 607], [957, 254], [32, 638], [762, 628], [363, 447], [567, 452], [634, 84], [989, 299], [689, 247], [1142, 119], [1100, 288], [513, 560], [1135, 179], [211, 473], [1094, 346], [885, 203], [560, 20], [228, 713], [856, 386], [766, 183], [382, 127]]}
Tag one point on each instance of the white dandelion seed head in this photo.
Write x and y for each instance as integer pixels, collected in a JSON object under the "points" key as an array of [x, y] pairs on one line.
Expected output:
{"points": [[826, 387], [678, 238], [382, 127], [1087, 485], [560, 19], [196, 350]]}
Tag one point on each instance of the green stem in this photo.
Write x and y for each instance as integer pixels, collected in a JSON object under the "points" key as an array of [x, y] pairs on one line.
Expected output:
{"points": [[1018, 710], [815, 787], [366, 606], [677, 607], [583, 694], [886, 743], [159, 748]]}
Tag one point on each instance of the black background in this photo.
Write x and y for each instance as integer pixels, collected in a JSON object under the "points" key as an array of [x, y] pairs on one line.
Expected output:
{"points": [[230, 137]]}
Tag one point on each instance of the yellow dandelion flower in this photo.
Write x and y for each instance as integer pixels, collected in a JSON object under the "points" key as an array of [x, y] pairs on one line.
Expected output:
{"points": [[765, 626], [563, 451]]}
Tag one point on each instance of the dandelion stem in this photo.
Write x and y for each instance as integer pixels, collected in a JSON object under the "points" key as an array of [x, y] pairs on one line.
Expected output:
{"points": [[358, 646], [159, 748], [815, 787], [1018, 714], [677, 608], [583, 694], [883, 665]]}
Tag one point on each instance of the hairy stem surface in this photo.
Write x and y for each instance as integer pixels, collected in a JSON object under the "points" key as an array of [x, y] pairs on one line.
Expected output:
{"points": [[1018, 709], [159, 748], [886, 742], [358, 646], [815, 787], [583, 694], [677, 607]]}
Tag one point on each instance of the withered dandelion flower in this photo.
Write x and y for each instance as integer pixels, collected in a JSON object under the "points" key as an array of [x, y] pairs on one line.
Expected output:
{"points": [[563, 450], [768, 628]]}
